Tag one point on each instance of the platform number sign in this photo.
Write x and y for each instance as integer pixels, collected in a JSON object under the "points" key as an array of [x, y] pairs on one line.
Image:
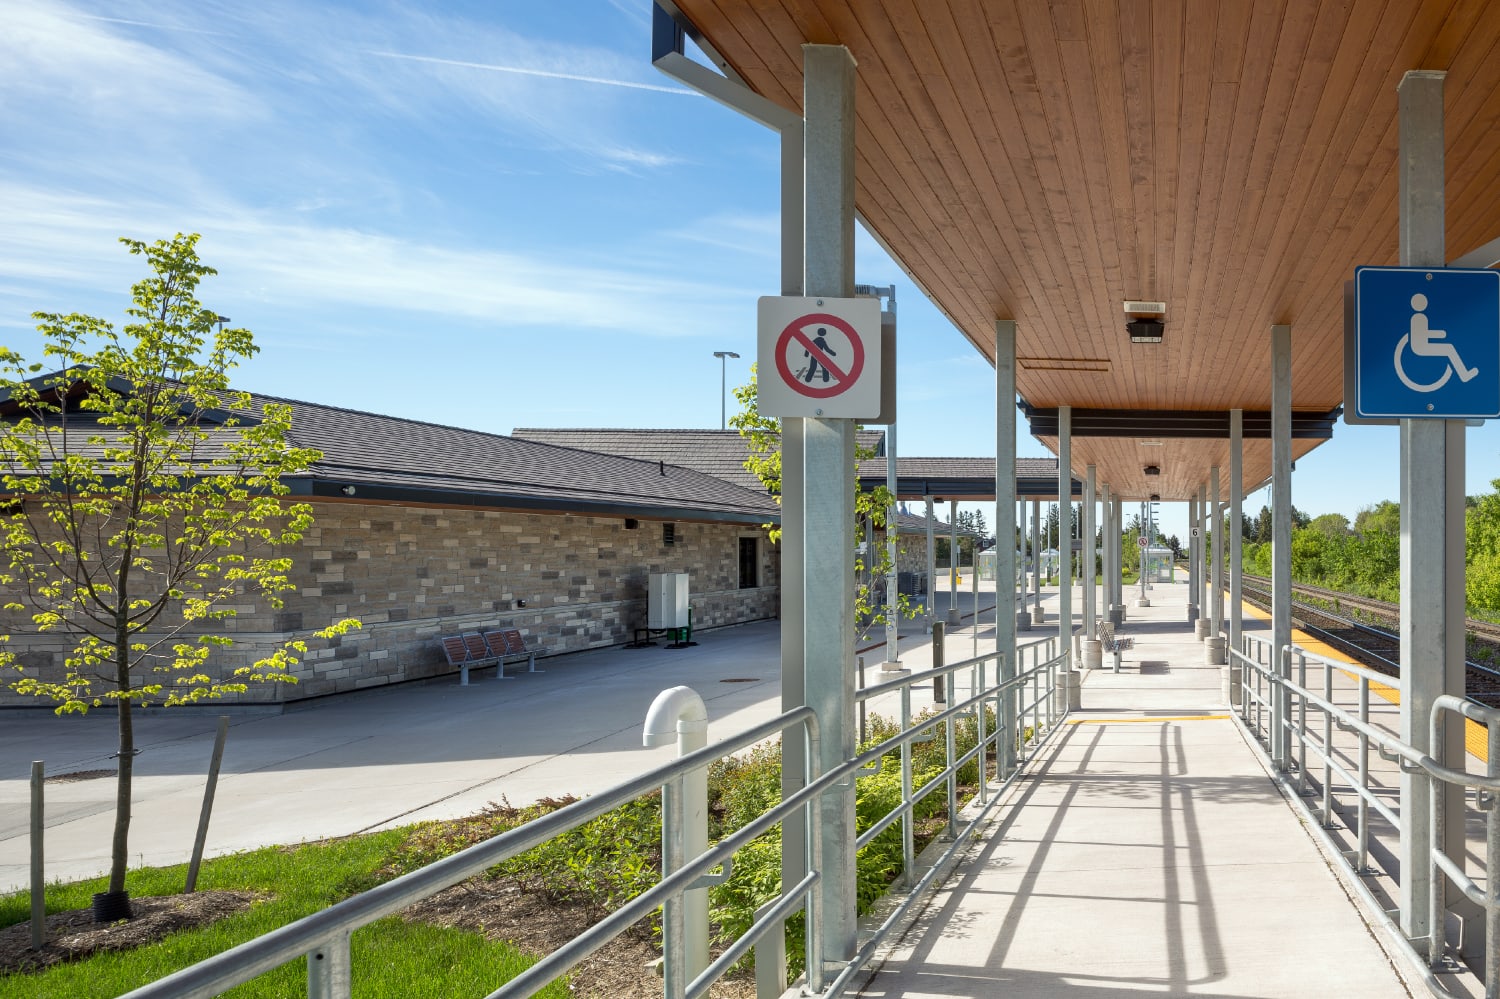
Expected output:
{"points": [[1427, 343]]}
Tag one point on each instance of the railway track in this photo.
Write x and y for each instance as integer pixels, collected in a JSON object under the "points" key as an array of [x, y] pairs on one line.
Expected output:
{"points": [[1365, 629]]}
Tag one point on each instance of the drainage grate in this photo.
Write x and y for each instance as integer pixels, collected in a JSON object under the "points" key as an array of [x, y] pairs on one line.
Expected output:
{"points": [[78, 775], [742, 679]]}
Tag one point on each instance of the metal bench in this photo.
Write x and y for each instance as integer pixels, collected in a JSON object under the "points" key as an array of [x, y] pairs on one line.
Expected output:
{"points": [[507, 645], [1110, 643], [464, 651]]}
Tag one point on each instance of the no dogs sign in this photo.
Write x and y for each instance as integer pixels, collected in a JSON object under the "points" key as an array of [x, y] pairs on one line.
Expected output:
{"points": [[819, 357]]}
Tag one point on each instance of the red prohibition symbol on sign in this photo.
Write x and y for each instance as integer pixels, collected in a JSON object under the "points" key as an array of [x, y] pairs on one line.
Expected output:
{"points": [[837, 374]]}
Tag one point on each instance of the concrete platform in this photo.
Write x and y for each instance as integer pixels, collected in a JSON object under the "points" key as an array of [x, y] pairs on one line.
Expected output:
{"points": [[395, 755], [1149, 853]]}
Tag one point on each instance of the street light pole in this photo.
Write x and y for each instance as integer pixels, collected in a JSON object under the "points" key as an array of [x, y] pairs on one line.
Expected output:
{"points": [[723, 356]]}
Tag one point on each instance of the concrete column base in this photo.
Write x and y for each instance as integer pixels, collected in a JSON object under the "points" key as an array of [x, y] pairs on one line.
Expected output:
{"points": [[955, 619], [1192, 613], [1116, 615], [1093, 653], [1143, 601], [894, 668], [1069, 693], [1231, 685], [1200, 628], [1038, 615], [1213, 651], [1023, 621]]}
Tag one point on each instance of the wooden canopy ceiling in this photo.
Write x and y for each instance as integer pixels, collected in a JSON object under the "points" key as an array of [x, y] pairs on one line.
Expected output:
{"points": [[1045, 160]]}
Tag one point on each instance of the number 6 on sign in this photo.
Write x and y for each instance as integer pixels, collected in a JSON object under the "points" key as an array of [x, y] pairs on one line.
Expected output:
{"points": [[819, 357]]}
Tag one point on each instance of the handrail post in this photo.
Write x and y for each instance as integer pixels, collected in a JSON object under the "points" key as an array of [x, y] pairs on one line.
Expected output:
{"points": [[1328, 822], [1492, 871], [1364, 774], [908, 832], [950, 745], [1438, 827], [328, 968], [980, 726], [1302, 787]]}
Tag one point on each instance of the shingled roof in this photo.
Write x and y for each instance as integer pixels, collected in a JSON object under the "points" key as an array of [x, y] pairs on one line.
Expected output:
{"points": [[720, 453], [411, 461]]}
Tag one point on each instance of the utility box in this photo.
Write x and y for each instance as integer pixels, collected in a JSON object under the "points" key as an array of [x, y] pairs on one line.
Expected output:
{"points": [[667, 600]]}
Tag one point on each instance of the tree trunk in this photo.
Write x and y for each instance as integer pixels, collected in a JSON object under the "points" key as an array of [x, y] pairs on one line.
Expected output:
{"points": [[119, 851]]}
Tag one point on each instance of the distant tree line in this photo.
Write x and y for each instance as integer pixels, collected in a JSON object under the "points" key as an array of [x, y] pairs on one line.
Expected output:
{"points": [[1365, 557]]}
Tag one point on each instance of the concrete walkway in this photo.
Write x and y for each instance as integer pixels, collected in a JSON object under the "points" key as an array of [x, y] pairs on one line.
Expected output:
{"points": [[1148, 853], [396, 755]]}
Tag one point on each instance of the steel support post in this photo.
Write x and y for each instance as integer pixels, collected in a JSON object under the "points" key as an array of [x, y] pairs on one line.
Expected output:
{"points": [[1036, 558], [1195, 607], [1005, 533], [1065, 533], [1021, 546], [1205, 524], [931, 567], [1087, 575], [1281, 533], [1118, 539], [893, 576], [1215, 572], [1236, 517], [1432, 534], [794, 859], [955, 619], [1102, 610]]}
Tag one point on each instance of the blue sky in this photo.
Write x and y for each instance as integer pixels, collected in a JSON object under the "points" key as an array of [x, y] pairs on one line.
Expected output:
{"points": [[485, 214]]}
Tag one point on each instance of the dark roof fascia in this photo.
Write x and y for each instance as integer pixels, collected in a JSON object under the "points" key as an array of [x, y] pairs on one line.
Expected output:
{"points": [[967, 490], [324, 489], [1176, 423], [125, 386]]}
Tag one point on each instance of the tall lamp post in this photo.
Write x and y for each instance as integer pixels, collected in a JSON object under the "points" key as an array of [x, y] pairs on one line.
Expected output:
{"points": [[723, 356]]}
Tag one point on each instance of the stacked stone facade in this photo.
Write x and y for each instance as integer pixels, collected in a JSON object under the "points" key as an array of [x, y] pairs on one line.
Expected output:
{"points": [[411, 575]]}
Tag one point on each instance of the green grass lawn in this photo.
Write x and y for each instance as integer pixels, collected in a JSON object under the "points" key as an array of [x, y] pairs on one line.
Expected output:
{"points": [[391, 957]]}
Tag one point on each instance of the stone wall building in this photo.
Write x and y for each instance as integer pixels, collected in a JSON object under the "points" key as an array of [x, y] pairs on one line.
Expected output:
{"points": [[424, 530]]}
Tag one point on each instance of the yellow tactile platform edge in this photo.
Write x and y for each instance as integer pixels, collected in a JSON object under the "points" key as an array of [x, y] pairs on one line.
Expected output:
{"points": [[1476, 740]]}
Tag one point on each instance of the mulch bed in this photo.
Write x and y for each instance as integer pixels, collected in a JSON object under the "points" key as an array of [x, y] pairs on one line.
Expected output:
{"points": [[73, 935]]}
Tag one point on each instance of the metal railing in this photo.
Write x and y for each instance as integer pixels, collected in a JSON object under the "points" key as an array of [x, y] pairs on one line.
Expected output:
{"points": [[1274, 709], [323, 937]]}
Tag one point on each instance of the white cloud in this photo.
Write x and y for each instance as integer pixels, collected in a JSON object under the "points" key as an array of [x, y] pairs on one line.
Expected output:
{"points": [[50, 54], [58, 239], [546, 74]]}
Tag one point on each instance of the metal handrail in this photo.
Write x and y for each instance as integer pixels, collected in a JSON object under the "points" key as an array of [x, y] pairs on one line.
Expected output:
{"points": [[1408, 758], [287, 943], [324, 936]]}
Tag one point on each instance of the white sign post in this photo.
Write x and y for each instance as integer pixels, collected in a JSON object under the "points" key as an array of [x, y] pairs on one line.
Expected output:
{"points": [[819, 357]]}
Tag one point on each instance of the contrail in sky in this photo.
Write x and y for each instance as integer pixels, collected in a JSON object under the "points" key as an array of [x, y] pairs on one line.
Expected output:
{"points": [[539, 72]]}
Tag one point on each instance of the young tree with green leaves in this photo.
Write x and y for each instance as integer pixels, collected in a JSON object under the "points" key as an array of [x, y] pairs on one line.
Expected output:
{"points": [[143, 503], [762, 436]]}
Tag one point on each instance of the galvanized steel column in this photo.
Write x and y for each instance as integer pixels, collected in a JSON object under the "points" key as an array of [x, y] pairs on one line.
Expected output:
{"points": [[1195, 608], [954, 617], [1236, 516], [1021, 544], [1088, 554], [1216, 522], [828, 480], [1281, 530], [1432, 531], [892, 551], [1119, 543], [1065, 532], [1204, 598], [794, 860], [1036, 556], [1005, 532], [931, 567]]}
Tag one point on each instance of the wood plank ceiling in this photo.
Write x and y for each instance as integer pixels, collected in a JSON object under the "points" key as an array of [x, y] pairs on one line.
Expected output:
{"points": [[1045, 160]]}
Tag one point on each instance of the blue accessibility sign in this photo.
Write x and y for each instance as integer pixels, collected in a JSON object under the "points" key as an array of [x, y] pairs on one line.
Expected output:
{"points": [[1427, 343]]}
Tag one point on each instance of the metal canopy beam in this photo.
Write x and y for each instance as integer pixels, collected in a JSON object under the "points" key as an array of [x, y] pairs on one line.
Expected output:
{"points": [[1173, 423]]}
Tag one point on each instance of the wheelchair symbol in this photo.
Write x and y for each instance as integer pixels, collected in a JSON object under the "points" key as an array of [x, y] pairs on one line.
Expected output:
{"points": [[1427, 342]]}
